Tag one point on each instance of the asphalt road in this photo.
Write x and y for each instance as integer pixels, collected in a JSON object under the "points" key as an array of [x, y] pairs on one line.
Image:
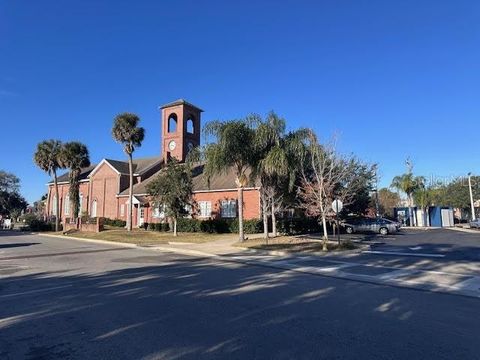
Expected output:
{"points": [[454, 245], [66, 299]]}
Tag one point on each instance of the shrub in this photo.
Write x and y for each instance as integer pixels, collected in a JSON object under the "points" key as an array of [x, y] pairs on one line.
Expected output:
{"points": [[295, 226], [165, 226], [251, 226], [158, 227], [188, 225], [115, 222], [218, 226], [151, 226], [145, 225], [33, 223]]}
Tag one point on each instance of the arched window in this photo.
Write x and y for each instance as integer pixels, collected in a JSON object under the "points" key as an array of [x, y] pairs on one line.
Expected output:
{"points": [[80, 205], [190, 126], [94, 209], [54, 205], [67, 205], [172, 123]]}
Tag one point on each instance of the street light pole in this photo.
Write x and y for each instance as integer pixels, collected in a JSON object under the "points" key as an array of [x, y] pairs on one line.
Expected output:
{"points": [[377, 207], [471, 195]]}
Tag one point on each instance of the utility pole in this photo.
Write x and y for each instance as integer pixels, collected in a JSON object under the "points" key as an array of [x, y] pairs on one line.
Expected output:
{"points": [[377, 210], [471, 195]]}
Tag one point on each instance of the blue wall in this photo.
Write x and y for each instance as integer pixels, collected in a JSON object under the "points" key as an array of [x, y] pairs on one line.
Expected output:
{"points": [[435, 216]]}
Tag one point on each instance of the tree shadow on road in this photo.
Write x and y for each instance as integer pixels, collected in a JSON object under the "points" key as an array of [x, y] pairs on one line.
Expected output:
{"points": [[200, 308], [14, 245]]}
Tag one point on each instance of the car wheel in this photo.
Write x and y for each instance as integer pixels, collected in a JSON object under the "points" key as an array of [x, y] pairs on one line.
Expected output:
{"points": [[349, 230], [383, 231]]}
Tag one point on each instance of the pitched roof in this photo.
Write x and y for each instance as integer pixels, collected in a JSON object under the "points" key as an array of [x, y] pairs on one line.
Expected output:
{"points": [[180, 102], [139, 167], [83, 174], [200, 182]]}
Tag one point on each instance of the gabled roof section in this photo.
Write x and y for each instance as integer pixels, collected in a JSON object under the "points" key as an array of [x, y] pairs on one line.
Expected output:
{"points": [[144, 164], [83, 175], [180, 102], [200, 182], [121, 167], [99, 165], [140, 166]]}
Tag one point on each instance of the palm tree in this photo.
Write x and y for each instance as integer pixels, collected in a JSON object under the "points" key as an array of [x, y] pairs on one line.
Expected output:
{"points": [[408, 184], [233, 148], [74, 156], [47, 158], [277, 163], [126, 131], [424, 196]]}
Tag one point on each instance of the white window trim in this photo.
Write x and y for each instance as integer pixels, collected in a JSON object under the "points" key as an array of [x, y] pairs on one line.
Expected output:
{"points": [[54, 207], [157, 213], [231, 206], [67, 205], [80, 204], [93, 212], [208, 206]]}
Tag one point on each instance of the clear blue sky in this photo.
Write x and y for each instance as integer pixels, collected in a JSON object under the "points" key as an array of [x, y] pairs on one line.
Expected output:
{"points": [[393, 79]]}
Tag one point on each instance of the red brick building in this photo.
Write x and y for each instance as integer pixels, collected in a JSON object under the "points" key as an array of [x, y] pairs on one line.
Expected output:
{"points": [[104, 186]]}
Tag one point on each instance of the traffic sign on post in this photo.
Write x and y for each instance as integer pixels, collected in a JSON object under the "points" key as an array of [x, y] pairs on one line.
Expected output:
{"points": [[337, 206]]}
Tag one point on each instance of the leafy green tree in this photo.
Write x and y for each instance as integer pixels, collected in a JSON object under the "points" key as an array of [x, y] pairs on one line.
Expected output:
{"points": [[232, 147], [361, 202], [127, 132], [39, 205], [11, 202], [46, 157], [74, 156], [174, 190], [9, 182], [456, 193], [277, 164], [387, 201]]}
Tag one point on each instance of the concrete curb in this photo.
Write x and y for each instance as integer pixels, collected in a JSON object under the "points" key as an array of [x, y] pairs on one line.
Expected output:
{"points": [[133, 246], [95, 241], [299, 253], [179, 251], [466, 230]]}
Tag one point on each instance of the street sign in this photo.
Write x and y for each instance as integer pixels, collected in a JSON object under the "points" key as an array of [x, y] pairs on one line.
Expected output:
{"points": [[337, 206]]}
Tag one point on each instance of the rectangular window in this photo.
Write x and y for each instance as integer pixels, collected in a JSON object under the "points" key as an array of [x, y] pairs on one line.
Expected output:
{"points": [[205, 208], [159, 211], [122, 210], [188, 211], [229, 208]]}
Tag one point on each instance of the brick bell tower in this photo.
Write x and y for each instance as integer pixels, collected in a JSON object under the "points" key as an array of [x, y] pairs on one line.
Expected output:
{"points": [[180, 129]]}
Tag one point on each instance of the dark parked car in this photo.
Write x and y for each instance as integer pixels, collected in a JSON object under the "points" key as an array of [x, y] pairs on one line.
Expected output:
{"points": [[380, 225]]}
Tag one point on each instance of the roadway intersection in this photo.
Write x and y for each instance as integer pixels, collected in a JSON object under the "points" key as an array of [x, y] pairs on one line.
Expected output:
{"points": [[68, 299]]}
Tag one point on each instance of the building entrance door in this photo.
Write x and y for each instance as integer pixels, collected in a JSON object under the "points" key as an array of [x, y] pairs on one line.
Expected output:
{"points": [[141, 215]]}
